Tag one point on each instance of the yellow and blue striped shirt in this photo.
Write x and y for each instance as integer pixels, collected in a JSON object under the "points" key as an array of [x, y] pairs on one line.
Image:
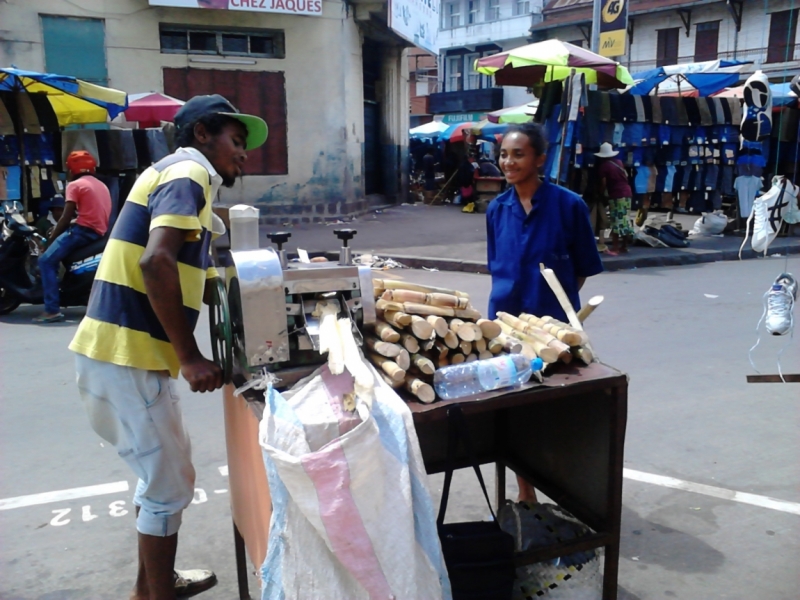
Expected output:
{"points": [[120, 326]]}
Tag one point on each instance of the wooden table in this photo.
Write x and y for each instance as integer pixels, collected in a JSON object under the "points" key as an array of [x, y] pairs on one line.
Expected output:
{"points": [[566, 436]]}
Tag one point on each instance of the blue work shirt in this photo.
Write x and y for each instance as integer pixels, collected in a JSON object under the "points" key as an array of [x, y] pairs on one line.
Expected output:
{"points": [[557, 232]]}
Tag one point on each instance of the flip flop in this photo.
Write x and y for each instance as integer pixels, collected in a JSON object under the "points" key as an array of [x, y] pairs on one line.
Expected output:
{"points": [[50, 319]]}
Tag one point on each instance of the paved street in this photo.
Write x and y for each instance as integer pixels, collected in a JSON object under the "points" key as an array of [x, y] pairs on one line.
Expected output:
{"points": [[682, 334]]}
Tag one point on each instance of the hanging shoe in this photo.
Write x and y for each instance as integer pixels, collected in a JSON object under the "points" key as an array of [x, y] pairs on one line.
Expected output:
{"points": [[757, 115], [769, 212], [780, 301]]}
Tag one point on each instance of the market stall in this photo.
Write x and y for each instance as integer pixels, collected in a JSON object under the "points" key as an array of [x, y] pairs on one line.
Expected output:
{"points": [[34, 110], [428, 344]]}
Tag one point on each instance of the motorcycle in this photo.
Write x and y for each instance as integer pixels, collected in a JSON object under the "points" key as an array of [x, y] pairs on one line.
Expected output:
{"points": [[20, 249]]}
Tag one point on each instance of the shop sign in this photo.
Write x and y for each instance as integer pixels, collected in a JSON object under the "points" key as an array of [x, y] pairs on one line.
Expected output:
{"points": [[291, 7], [462, 118], [613, 28], [416, 21]]}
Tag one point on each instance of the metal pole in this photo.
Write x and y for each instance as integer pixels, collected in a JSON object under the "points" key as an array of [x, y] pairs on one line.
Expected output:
{"points": [[598, 5]]}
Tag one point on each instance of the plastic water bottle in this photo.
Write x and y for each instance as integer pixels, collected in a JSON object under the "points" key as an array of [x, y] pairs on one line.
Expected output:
{"points": [[466, 379]]}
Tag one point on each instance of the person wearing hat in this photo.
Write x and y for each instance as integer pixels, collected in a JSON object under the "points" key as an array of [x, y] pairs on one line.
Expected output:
{"points": [[137, 336], [83, 220], [50, 212], [613, 180]]}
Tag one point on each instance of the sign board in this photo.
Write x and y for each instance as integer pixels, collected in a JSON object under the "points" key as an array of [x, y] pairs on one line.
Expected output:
{"points": [[416, 21], [462, 118], [613, 27], [291, 7]]}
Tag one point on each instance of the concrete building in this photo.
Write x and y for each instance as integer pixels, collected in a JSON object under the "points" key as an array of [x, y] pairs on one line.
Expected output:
{"points": [[471, 29], [665, 32], [329, 77], [423, 78]]}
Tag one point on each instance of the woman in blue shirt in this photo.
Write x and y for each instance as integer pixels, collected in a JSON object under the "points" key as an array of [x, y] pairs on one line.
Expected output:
{"points": [[534, 222]]}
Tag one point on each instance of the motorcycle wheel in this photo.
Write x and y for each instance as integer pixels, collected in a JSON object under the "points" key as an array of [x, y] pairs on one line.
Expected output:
{"points": [[7, 303]]}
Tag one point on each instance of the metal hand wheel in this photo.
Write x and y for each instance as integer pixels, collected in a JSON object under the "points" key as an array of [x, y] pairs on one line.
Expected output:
{"points": [[219, 318]]}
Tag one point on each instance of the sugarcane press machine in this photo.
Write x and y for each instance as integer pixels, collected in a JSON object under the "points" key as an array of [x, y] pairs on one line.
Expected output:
{"points": [[264, 316]]}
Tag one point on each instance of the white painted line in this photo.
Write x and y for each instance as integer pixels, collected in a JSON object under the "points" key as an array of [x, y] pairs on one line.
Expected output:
{"points": [[223, 470], [714, 492], [220, 491], [60, 495]]}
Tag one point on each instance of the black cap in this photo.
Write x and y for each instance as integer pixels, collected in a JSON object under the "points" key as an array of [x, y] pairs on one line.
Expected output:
{"points": [[202, 106]]}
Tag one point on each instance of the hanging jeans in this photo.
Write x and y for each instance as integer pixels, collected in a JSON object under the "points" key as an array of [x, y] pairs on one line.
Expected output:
{"points": [[68, 242]]}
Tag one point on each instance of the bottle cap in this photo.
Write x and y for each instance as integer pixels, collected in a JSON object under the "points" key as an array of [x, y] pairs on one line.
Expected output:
{"points": [[537, 364]]}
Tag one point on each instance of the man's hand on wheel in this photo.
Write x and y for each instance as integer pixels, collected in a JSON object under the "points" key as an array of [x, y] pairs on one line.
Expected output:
{"points": [[202, 375]]}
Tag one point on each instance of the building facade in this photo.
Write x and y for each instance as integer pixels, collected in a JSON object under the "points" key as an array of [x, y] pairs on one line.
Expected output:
{"points": [[667, 32], [471, 29], [423, 79], [332, 84]]}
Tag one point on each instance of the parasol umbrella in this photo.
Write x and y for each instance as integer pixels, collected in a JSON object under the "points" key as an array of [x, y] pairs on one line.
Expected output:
{"points": [[150, 108], [74, 101], [486, 130], [689, 79], [514, 114], [457, 133], [552, 60], [428, 130], [781, 95]]}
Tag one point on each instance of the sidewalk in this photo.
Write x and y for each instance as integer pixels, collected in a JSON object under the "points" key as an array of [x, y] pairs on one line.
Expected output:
{"points": [[444, 238]]}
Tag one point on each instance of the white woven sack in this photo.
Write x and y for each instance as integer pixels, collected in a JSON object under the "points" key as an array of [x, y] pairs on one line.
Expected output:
{"points": [[352, 517]]}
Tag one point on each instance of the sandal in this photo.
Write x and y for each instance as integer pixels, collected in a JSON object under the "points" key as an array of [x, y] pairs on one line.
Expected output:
{"points": [[43, 318]]}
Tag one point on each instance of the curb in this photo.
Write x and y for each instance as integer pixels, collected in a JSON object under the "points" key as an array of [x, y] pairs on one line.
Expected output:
{"points": [[672, 259]]}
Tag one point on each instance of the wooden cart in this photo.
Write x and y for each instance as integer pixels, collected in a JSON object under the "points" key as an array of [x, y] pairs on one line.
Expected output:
{"points": [[566, 436]]}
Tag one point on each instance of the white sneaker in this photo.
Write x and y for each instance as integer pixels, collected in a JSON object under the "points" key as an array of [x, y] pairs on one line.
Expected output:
{"points": [[780, 303], [769, 212]]}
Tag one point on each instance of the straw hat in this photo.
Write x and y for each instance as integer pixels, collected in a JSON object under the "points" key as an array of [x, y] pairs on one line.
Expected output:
{"points": [[606, 151]]}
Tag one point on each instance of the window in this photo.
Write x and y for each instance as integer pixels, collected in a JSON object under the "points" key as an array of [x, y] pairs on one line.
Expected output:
{"points": [[260, 93], [76, 47], [522, 7], [452, 15], [472, 80], [492, 10], [667, 48], [262, 43], [473, 11], [782, 33], [454, 64], [706, 41]]}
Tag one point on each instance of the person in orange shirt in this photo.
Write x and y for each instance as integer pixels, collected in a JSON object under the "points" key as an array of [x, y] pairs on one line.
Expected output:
{"points": [[89, 199]]}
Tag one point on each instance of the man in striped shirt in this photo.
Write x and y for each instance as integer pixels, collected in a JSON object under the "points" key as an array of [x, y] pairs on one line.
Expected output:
{"points": [[138, 331]]}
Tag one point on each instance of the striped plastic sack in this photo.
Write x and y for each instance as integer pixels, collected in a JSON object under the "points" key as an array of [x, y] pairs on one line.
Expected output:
{"points": [[352, 516]]}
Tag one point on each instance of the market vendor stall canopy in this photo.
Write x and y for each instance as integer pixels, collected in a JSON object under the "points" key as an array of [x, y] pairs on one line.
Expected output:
{"points": [[782, 95], [75, 102], [689, 79], [150, 108], [514, 114], [430, 130], [552, 60]]}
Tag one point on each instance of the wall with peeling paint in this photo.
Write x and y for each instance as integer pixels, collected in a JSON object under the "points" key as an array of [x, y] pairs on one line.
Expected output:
{"points": [[324, 92]]}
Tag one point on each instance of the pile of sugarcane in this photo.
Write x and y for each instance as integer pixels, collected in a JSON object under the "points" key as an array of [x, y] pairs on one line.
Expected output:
{"points": [[546, 337], [422, 328]]}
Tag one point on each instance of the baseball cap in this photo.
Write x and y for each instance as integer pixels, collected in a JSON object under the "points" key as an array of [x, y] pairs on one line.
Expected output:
{"points": [[203, 106], [80, 161]]}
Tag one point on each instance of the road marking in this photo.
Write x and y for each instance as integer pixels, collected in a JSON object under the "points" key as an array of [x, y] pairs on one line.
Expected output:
{"points": [[714, 492], [58, 496], [223, 470]]}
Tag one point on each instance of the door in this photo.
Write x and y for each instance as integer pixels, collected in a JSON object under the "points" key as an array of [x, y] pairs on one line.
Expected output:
{"points": [[75, 47], [373, 180]]}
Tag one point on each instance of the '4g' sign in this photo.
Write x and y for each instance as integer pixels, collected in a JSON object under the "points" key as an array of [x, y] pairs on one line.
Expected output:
{"points": [[613, 27]]}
